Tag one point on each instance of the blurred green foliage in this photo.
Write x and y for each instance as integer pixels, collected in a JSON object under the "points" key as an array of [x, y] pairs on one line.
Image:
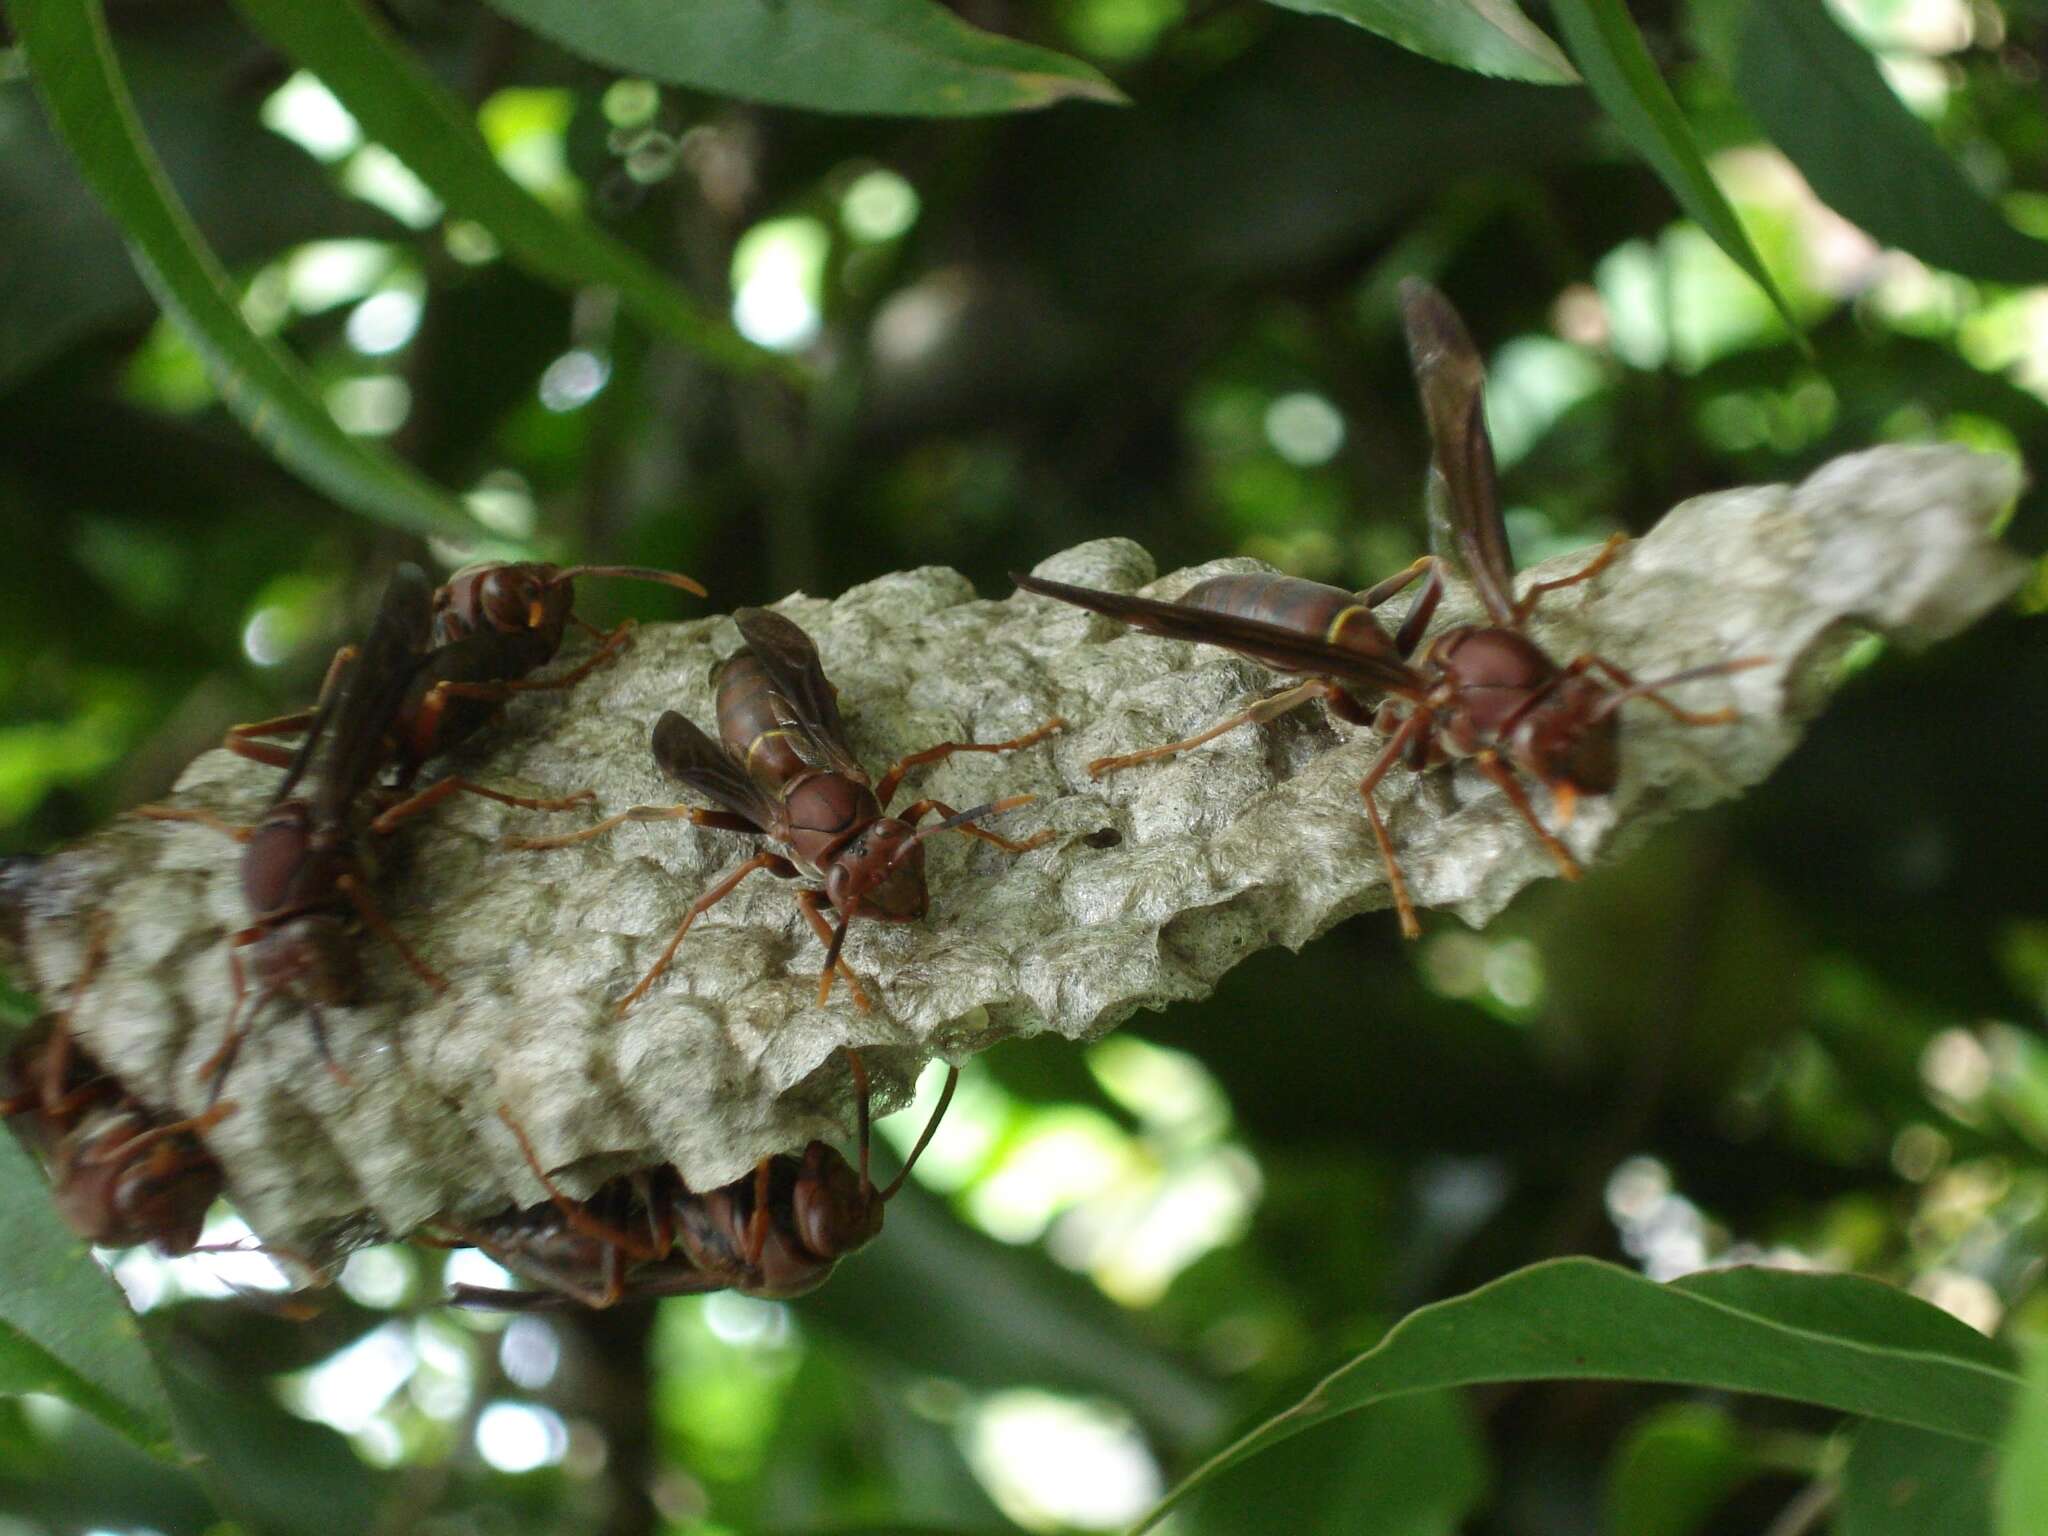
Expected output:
{"points": [[1805, 1028]]}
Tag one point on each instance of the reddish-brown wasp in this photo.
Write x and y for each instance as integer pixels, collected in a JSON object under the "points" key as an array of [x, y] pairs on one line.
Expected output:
{"points": [[303, 873], [1486, 692], [490, 627], [782, 769], [776, 1233], [119, 1173]]}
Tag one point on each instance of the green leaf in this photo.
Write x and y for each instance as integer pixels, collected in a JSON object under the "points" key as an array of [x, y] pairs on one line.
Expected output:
{"points": [[64, 1328], [67, 275], [277, 1474], [1674, 1470], [1834, 1340], [72, 61], [2023, 1472], [1908, 1482], [1611, 54], [406, 110], [1410, 1466], [1818, 93], [899, 58], [1492, 37]]}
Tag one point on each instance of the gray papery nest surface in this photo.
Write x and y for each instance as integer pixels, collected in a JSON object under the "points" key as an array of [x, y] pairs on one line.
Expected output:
{"points": [[1157, 880]]}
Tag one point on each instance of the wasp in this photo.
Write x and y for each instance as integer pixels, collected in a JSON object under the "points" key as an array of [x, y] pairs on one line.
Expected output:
{"points": [[120, 1173], [489, 628], [775, 1233], [1485, 693], [782, 770]]}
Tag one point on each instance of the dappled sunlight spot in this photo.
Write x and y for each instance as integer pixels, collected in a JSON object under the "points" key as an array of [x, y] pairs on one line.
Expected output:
{"points": [[526, 129], [1052, 1462], [1166, 1088], [470, 243], [529, 1352], [265, 636], [1506, 974], [370, 407], [306, 112], [1304, 428], [349, 1388], [1919, 1152], [144, 1278], [1956, 1065], [521, 1437], [1064, 1155], [384, 322], [323, 273], [1658, 1227], [384, 181], [1532, 382], [1922, 26], [503, 502], [973, 1126], [1136, 1242], [914, 323], [1129, 1210], [442, 1386], [631, 102], [235, 1264], [167, 373], [377, 1277], [878, 206], [1120, 31], [778, 271], [1962, 1296], [573, 379], [468, 1266], [746, 1321]]}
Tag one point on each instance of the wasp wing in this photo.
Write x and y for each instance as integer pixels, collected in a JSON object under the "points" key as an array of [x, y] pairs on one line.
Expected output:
{"points": [[802, 691], [1465, 525], [359, 727], [688, 755], [1286, 650]]}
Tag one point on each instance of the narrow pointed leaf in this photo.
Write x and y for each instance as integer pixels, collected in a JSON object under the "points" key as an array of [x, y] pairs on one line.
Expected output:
{"points": [[1610, 52], [1911, 1482], [899, 58], [64, 1329], [1818, 93], [1833, 1340], [71, 60], [2022, 1485], [406, 110], [1492, 37]]}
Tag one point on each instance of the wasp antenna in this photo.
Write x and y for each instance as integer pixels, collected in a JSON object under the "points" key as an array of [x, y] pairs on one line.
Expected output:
{"points": [[860, 1110], [631, 573], [1615, 700], [954, 823], [931, 1128]]}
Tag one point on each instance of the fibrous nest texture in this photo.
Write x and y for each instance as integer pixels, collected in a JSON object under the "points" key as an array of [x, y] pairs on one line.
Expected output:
{"points": [[1156, 881]]}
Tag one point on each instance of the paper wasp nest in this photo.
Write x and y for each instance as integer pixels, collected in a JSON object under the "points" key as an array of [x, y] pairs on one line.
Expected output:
{"points": [[1159, 880]]}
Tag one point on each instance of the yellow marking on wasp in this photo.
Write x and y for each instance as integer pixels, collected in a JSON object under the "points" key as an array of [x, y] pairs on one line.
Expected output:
{"points": [[1334, 634], [760, 741]]}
